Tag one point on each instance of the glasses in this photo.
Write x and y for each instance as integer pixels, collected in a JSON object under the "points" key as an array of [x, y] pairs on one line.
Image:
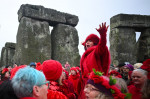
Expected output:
{"points": [[90, 89], [45, 83]]}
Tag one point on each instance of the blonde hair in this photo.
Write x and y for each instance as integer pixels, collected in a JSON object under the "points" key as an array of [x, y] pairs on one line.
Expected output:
{"points": [[137, 65]]}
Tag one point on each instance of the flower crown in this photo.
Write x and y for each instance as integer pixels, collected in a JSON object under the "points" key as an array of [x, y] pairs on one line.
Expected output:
{"points": [[116, 73], [98, 77]]}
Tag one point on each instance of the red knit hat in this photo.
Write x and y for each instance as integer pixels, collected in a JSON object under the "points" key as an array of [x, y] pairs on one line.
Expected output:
{"points": [[74, 68], [94, 38], [14, 70], [38, 66], [52, 70]]}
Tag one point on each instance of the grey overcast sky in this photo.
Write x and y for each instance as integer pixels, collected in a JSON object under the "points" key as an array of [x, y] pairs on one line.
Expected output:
{"points": [[91, 13]]}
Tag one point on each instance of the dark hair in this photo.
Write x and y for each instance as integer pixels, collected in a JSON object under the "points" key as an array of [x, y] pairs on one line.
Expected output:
{"points": [[6, 90]]}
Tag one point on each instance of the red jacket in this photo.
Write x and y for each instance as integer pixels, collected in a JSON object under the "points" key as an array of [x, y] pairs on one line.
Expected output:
{"points": [[136, 94]]}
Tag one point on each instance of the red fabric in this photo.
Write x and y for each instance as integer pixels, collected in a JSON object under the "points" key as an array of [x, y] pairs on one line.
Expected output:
{"points": [[14, 70], [66, 88], [52, 70], [94, 38], [146, 66], [136, 94], [117, 74], [28, 98], [74, 79], [55, 95], [97, 57], [39, 66]]}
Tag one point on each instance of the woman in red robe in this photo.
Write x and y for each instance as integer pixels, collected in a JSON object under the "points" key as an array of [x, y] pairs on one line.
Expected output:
{"points": [[96, 56]]}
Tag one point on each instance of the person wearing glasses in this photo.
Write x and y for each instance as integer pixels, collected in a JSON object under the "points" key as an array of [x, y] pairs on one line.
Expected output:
{"points": [[29, 83]]}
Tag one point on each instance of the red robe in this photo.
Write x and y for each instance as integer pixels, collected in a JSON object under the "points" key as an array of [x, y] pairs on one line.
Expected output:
{"points": [[97, 57], [66, 88], [136, 94], [74, 79]]}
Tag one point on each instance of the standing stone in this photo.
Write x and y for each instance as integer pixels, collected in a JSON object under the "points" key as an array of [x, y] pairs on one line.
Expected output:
{"points": [[123, 45], [143, 49], [33, 41], [7, 54], [65, 44]]}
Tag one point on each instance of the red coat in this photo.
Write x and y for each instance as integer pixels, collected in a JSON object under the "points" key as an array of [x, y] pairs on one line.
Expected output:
{"points": [[136, 94], [97, 57]]}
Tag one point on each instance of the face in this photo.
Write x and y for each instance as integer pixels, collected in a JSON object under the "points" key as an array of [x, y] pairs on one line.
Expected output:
{"points": [[89, 44], [43, 91], [138, 78], [7, 75], [9, 68], [73, 72], [125, 70], [91, 92]]}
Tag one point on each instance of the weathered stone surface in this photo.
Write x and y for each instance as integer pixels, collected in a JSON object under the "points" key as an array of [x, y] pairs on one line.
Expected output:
{"points": [[123, 45], [65, 44], [7, 54], [130, 20], [52, 16], [33, 41], [143, 46]]}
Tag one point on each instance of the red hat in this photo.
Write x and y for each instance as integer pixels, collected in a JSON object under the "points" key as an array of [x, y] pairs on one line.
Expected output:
{"points": [[52, 70], [74, 68], [38, 66], [4, 70], [14, 70], [146, 66], [94, 38]]}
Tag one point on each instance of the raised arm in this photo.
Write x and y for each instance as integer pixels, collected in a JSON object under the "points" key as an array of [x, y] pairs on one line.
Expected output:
{"points": [[102, 43]]}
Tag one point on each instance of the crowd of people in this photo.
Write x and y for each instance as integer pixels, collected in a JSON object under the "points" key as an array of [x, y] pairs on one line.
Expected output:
{"points": [[95, 78]]}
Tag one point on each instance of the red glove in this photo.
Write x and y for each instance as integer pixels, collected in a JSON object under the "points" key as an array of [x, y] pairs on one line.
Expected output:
{"points": [[102, 29]]}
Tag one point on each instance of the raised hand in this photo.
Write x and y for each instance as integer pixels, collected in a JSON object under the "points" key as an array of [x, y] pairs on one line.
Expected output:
{"points": [[102, 29]]}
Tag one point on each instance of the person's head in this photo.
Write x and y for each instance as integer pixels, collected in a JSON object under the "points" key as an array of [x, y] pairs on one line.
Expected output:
{"points": [[139, 76], [8, 67], [29, 82], [73, 71], [128, 68], [52, 70], [115, 74], [90, 41], [33, 65], [122, 84], [137, 65], [39, 66], [5, 74], [99, 87]]}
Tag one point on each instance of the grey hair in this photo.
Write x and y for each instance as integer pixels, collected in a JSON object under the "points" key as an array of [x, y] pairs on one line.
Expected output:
{"points": [[143, 72]]}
